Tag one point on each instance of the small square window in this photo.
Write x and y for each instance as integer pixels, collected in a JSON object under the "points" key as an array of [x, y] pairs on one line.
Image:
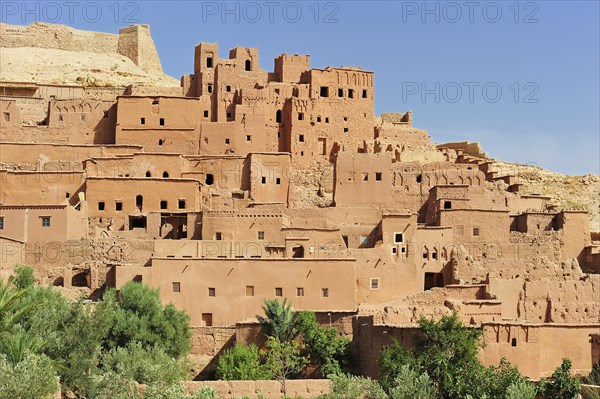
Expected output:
{"points": [[207, 320], [263, 180], [301, 138], [218, 236], [82, 117], [447, 204], [475, 231], [299, 291], [249, 290], [378, 176], [340, 92], [374, 283], [248, 138], [67, 195], [162, 121], [118, 206], [163, 204], [211, 292], [206, 114], [46, 221], [325, 292], [327, 120], [346, 130], [142, 121], [100, 205], [345, 119], [226, 141], [394, 250], [398, 238], [176, 286], [434, 255], [278, 291], [300, 116], [181, 204], [365, 177], [261, 235], [319, 119], [278, 180], [229, 116], [228, 88]]}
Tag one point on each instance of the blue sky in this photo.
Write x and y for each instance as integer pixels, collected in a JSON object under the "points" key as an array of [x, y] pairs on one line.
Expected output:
{"points": [[520, 77]]}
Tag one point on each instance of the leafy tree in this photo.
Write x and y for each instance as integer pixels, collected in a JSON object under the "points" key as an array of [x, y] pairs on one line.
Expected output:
{"points": [[592, 379], [521, 390], [280, 320], [139, 316], [561, 385], [409, 384], [32, 378], [353, 387], [23, 277], [391, 361], [242, 363], [284, 359], [324, 345], [144, 365]]}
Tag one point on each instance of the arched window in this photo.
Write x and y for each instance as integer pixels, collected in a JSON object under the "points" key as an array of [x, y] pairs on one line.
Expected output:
{"points": [[165, 174], [139, 202], [148, 174], [248, 65]]}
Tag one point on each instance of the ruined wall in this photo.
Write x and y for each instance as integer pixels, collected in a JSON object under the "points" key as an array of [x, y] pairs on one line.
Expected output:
{"points": [[268, 389]]}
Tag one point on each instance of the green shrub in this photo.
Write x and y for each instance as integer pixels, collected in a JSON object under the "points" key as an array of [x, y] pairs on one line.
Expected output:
{"points": [[206, 392], [352, 387], [23, 277], [521, 390], [409, 385], [32, 378], [242, 363], [165, 391]]}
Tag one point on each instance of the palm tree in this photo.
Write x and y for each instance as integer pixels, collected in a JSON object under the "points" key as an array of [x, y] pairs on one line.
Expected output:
{"points": [[10, 308], [280, 322]]}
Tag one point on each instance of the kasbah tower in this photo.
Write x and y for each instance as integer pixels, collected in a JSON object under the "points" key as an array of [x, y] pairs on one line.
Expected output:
{"points": [[236, 184]]}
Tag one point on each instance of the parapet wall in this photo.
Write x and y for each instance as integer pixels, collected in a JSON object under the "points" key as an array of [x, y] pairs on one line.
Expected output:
{"points": [[268, 389], [133, 42]]}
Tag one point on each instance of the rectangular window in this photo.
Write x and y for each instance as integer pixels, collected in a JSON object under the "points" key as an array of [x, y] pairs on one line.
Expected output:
{"points": [[181, 204], [263, 180], [118, 206], [278, 181], [209, 88], [346, 130], [207, 320], [325, 292], [434, 255], [299, 291], [261, 235], [278, 291], [365, 177], [228, 88], [45, 221], [206, 114], [300, 116], [364, 94], [350, 93], [1, 223], [6, 117], [176, 286], [100, 205], [327, 119], [248, 138], [218, 236], [142, 121], [475, 231], [324, 92], [249, 290], [340, 92], [162, 121], [226, 141], [163, 204], [398, 238], [301, 138], [229, 116], [374, 283], [318, 119], [209, 62], [212, 292]]}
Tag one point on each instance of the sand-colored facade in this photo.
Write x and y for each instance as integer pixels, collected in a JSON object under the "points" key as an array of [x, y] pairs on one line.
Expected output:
{"points": [[207, 192]]}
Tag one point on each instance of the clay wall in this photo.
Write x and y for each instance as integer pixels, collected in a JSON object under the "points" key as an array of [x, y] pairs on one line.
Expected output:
{"points": [[267, 389], [39, 188]]}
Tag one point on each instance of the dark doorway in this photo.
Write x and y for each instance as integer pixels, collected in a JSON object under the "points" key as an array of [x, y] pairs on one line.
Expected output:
{"points": [[433, 280], [298, 252]]}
